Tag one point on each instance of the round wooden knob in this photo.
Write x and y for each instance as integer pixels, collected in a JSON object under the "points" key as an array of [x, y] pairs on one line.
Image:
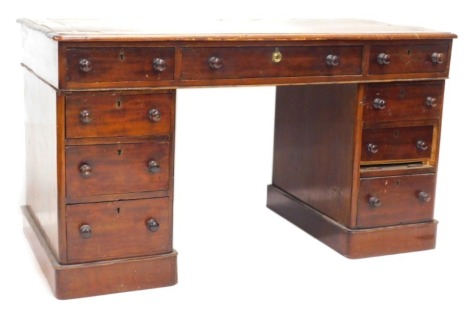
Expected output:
{"points": [[437, 58], [85, 231], [424, 197], [421, 145], [374, 201], [383, 59], [154, 115], [85, 65], [159, 64], [372, 148], [431, 102], [152, 225], [85, 116], [85, 170], [215, 62], [332, 60], [379, 104], [153, 166]]}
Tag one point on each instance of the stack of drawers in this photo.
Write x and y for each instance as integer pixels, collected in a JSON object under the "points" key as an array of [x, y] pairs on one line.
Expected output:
{"points": [[400, 137], [118, 170]]}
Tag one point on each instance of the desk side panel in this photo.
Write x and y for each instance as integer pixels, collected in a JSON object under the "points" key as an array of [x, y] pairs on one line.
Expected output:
{"points": [[41, 157], [41, 54], [314, 146]]}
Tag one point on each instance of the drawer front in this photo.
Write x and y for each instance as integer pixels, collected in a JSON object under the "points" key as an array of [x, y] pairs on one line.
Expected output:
{"points": [[413, 58], [400, 143], [117, 168], [104, 115], [395, 200], [258, 62], [396, 102], [119, 64], [119, 229]]}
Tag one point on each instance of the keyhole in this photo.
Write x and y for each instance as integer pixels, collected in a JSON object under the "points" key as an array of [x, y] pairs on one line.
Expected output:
{"points": [[118, 210], [409, 52], [122, 56], [119, 152], [118, 104], [398, 183], [402, 93], [396, 133]]}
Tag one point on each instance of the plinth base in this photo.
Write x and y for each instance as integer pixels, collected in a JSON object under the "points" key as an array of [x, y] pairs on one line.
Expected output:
{"points": [[96, 278], [352, 243]]}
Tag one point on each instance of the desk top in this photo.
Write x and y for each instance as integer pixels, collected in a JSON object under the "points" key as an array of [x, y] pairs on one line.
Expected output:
{"points": [[227, 30]]}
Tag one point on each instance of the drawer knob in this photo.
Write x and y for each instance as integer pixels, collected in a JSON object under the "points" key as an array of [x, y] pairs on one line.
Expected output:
{"points": [[374, 201], [85, 65], [85, 116], [372, 148], [85, 170], [431, 102], [424, 197], [154, 167], [332, 60], [154, 115], [379, 104], [152, 225], [421, 145], [85, 231], [383, 59], [437, 58], [159, 64], [215, 62]]}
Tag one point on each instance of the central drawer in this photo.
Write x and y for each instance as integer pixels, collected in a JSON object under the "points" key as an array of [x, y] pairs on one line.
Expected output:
{"points": [[120, 229], [258, 62], [117, 168]]}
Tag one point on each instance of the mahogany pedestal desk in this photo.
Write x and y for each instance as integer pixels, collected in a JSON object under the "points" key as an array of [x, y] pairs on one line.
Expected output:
{"points": [[356, 145]]}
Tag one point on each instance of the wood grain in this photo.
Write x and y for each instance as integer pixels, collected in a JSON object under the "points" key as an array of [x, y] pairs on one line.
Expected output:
{"points": [[117, 114], [117, 168], [352, 243], [399, 196], [314, 146], [403, 101], [256, 62], [118, 230]]}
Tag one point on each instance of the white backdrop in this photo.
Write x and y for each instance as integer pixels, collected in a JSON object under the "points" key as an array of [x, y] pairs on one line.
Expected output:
{"points": [[235, 256]]}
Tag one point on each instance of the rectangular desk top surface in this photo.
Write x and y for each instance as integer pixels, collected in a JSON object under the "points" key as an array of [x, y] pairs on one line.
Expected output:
{"points": [[227, 30]]}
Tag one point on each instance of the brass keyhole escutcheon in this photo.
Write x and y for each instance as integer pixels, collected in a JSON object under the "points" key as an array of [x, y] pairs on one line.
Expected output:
{"points": [[277, 56]]}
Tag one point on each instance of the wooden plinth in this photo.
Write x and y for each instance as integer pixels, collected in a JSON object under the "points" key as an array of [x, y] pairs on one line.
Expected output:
{"points": [[96, 278], [352, 243]]}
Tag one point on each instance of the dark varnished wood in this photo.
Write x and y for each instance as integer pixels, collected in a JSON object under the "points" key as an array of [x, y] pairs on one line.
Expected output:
{"points": [[105, 190], [98, 278], [42, 125], [117, 168], [403, 101], [400, 202], [412, 58], [118, 114], [256, 62], [119, 230], [398, 143], [108, 64], [320, 175], [352, 243]]}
